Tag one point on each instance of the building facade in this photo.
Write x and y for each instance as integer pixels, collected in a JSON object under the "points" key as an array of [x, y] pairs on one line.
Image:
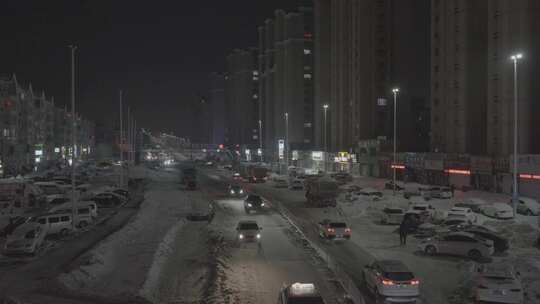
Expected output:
{"points": [[242, 98], [34, 131], [286, 89], [366, 48]]}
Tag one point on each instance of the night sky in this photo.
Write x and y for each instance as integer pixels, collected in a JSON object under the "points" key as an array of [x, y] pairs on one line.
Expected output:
{"points": [[159, 52]]}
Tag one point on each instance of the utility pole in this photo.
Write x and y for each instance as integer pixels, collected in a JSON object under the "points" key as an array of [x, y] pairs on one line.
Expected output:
{"points": [[325, 130], [73, 48], [260, 140], [287, 142]]}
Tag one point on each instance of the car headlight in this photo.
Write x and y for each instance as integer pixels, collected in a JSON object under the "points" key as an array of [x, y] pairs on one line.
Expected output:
{"points": [[249, 205], [232, 191], [258, 235], [241, 191], [240, 236], [262, 204]]}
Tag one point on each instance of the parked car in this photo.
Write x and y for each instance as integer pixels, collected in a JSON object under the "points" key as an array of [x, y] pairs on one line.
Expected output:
{"points": [[55, 223], [254, 203], [390, 186], [85, 211], [442, 193], [296, 184], [392, 215], [458, 243], [300, 293], [461, 213], [391, 280], [202, 215], [27, 238], [248, 231], [334, 230], [500, 243], [410, 194], [107, 199], [425, 211], [371, 193], [498, 211], [14, 223], [528, 206], [498, 283], [237, 177], [475, 204], [342, 177], [280, 183]]}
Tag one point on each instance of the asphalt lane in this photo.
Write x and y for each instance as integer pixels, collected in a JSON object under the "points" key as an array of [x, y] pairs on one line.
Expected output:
{"points": [[256, 274]]}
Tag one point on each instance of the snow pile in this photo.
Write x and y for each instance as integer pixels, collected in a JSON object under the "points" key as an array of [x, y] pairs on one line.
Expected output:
{"points": [[160, 258], [138, 172]]}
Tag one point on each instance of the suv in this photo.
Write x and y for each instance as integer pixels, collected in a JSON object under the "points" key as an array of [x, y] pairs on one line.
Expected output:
{"points": [[253, 202], [334, 230], [248, 231], [392, 281], [300, 293]]}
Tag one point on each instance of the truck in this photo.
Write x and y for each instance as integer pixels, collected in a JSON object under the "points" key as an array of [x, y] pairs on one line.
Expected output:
{"points": [[189, 177], [253, 173], [321, 191]]}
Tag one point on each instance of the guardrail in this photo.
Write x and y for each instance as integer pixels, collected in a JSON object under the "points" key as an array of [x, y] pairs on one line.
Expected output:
{"points": [[346, 282]]}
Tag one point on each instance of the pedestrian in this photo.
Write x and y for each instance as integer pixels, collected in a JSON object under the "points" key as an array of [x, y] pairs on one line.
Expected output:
{"points": [[403, 227]]}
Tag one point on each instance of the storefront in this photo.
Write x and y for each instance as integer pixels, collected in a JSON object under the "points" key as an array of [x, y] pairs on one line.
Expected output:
{"points": [[457, 167], [482, 175], [434, 170], [529, 175], [414, 167]]}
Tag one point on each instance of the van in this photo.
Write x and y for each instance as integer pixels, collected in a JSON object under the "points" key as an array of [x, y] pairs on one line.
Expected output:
{"points": [[56, 223], [67, 206], [27, 238], [84, 212]]}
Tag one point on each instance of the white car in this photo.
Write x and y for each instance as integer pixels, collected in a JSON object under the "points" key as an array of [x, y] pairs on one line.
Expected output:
{"points": [[528, 206], [391, 281], [458, 243], [461, 213], [299, 293], [498, 283], [392, 215], [374, 194], [27, 238], [498, 211]]}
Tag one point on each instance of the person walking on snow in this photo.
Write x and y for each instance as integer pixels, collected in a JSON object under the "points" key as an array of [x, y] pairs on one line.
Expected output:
{"points": [[403, 230]]}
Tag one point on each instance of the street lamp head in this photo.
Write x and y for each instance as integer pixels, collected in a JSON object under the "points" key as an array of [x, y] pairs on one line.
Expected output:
{"points": [[325, 106], [286, 114], [516, 56], [395, 90]]}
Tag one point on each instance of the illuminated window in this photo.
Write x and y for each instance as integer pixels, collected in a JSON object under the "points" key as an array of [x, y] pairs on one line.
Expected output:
{"points": [[255, 73], [307, 76], [255, 78], [307, 51]]}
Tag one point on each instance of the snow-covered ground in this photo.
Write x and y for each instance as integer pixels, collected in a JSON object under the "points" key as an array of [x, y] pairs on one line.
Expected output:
{"points": [[119, 264]]}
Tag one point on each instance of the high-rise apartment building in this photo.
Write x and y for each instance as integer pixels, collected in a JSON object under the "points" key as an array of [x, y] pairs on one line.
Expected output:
{"points": [[472, 83], [458, 76], [241, 98], [513, 27], [287, 76], [363, 49], [216, 98]]}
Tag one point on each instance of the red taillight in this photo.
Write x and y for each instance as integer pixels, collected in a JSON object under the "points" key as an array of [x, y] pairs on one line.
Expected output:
{"points": [[347, 230], [387, 282], [415, 282], [330, 230]]}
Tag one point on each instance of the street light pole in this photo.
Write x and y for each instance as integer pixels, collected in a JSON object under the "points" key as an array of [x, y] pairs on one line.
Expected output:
{"points": [[325, 130], [287, 140], [121, 143], [260, 139], [395, 91], [515, 59], [73, 48]]}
